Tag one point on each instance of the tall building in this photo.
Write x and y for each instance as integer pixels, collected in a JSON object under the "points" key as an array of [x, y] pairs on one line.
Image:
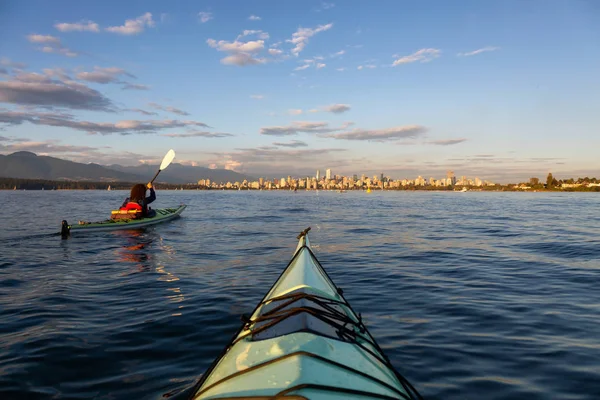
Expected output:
{"points": [[328, 173], [355, 177], [451, 179], [318, 176], [381, 177], [261, 182]]}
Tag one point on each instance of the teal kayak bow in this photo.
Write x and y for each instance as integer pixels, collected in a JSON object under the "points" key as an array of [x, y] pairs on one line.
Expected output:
{"points": [[303, 341]]}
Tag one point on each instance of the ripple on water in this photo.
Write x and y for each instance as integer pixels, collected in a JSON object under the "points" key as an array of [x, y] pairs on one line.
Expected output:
{"points": [[477, 295]]}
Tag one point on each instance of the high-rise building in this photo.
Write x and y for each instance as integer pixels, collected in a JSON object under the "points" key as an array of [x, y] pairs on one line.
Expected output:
{"points": [[354, 177], [261, 181], [451, 179], [318, 176], [328, 173], [381, 177]]}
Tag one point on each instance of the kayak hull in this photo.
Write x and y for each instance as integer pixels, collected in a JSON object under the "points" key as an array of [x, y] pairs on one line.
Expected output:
{"points": [[303, 340], [162, 215]]}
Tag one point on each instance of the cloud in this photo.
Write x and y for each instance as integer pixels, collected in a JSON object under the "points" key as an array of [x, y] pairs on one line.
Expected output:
{"points": [[134, 86], [205, 16], [324, 6], [168, 109], [241, 53], [370, 66], [339, 53], [11, 64], [103, 75], [125, 127], [273, 160], [478, 51], [295, 111], [133, 26], [301, 37], [48, 147], [59, 50], [423, 55], [390, 134], [447, 142], [300, 127], [82, 26], [275, 52], [293, 144], [138, 110], [300, 68], [44, 39], [3, 71], [52, 45], [68, 94], [257, 96], [199, 134], [249, 32], [337, 108], [321, 65], [254, 18], [341, 69]]}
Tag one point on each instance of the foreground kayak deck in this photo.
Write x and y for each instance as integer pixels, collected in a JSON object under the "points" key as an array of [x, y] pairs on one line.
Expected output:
{"points": [[303, 341], [162, 215]]}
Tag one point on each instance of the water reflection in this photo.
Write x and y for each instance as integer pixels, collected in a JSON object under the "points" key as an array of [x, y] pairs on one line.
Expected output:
{"points": [[137, 248]]}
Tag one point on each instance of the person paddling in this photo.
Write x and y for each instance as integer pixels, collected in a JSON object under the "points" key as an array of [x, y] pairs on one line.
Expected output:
{"points": [[137, 199]]}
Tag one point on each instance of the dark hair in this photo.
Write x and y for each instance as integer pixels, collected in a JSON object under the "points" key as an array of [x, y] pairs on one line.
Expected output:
{"points": [[138, 193]]}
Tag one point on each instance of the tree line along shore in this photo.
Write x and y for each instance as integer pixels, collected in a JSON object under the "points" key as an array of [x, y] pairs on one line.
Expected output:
{"points": [[534, 184]]}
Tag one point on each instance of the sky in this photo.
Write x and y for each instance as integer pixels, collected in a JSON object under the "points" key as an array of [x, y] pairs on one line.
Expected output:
{"points": [[501, 90]]}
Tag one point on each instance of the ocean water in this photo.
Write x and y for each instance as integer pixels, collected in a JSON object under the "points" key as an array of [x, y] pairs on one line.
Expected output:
{"points": [[471, 295]]}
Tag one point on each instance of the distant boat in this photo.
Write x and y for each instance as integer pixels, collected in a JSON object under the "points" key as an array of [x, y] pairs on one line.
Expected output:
{"points": [[368, 190], [464, 189], [15, 188], [108, 187]]}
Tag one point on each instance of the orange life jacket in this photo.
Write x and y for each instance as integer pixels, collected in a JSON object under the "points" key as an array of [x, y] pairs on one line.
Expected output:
{"points": [[132, 205]]}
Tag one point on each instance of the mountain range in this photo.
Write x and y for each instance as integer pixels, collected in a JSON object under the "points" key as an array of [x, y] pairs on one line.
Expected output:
{"points": [[27, 165]]}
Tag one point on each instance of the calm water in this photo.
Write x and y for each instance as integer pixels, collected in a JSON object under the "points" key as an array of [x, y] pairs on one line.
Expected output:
{"points": [[472, 295]]}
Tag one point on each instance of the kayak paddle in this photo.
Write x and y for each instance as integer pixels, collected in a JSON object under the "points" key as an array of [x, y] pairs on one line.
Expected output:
{"points": [[165, 163]]}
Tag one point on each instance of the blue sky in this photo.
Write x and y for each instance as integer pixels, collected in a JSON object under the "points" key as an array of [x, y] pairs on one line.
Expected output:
{"points": [[496, 89]]}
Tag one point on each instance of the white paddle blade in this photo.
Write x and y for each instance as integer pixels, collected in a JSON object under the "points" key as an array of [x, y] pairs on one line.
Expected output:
{"points": [[167, 160]]}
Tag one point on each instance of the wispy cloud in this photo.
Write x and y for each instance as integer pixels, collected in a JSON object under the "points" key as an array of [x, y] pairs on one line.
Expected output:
{"points": [[81, 26], [52, 44], [7, 62], [295, 111], [135, 86], [292, 144], [103, 75], [447, 142], [301, 37], [478, 51], [199, 134], [369, 66], [257, 96], [205, 16], [337, 108], [168, 109], [250, 32], [254, 18], [139, 110], [381, 135], [44, 39], [423, 55], [339, 53], [324, 6], [53, 93], [342, 69], [133, 26], [300, 127], [240, 53], [125, 127]]}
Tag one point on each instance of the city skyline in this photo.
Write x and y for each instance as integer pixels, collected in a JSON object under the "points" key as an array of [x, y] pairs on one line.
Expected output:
{"points": [[264, 88]]}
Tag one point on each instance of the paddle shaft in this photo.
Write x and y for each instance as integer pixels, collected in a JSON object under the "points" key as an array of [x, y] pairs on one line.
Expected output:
{"points": [[157, 172]]}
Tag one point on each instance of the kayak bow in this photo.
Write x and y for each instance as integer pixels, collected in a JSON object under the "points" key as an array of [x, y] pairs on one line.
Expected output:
{"points": [[162, 215], [303, 341]]}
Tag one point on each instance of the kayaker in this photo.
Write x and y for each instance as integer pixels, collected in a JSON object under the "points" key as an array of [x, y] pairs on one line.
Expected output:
{"points": [[137, 199]]}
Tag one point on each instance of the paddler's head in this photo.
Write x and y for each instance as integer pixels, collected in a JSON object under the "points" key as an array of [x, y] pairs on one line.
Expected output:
{"points": [[138, 192]]}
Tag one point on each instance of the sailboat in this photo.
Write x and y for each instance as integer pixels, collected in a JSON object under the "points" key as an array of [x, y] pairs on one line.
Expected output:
{"points": [[15, 188], [368, 190], [108, 187]]}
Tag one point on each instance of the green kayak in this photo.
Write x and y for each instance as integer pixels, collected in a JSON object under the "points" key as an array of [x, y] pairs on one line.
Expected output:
{"points": [[162, 215], [303, 341]]}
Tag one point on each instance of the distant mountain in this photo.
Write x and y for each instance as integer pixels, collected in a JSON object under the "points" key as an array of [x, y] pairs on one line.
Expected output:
{"points": [[26, 165], [178, 173]]}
